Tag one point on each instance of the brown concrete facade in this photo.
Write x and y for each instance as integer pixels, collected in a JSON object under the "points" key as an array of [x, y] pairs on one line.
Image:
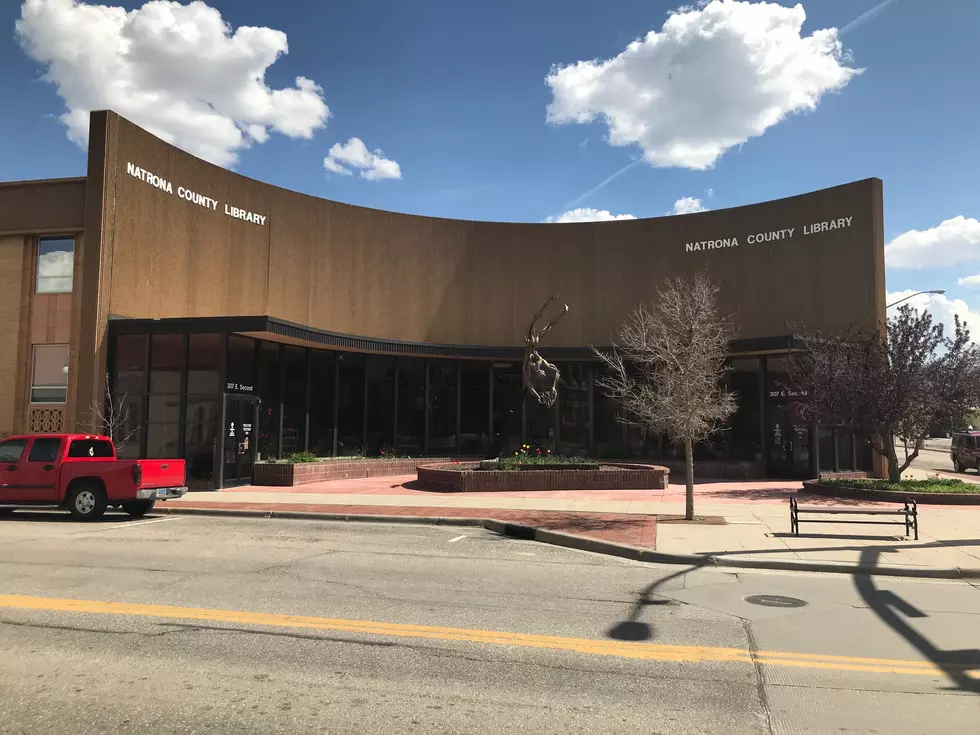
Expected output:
{"points": [[162, 234]]}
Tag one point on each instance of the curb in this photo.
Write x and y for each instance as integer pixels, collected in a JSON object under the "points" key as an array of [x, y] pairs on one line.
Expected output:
{"points": [[889, 496], [596, 546]]}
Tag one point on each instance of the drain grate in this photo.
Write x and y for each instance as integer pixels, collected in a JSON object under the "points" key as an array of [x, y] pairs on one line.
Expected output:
{"points": [[775, 601]]}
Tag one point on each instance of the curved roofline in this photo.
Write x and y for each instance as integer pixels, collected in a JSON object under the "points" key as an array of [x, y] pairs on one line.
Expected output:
{"points": [[478, 221]]}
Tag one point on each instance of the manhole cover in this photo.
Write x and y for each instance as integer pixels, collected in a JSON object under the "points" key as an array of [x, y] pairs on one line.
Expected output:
{"points": [[775, 601]]}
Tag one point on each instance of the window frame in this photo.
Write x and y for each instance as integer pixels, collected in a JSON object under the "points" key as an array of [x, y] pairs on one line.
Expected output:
{"points": [[34, 386], [37, 265]]}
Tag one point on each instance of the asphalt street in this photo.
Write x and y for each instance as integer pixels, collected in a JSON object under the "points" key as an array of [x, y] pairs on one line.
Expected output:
{"points": [[184, 624]]}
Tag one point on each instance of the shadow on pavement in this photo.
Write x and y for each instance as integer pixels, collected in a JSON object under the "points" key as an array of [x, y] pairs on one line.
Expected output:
{"points": [[890, 608]]}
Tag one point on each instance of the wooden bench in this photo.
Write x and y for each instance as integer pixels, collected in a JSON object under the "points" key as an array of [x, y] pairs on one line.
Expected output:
{"points": [[909, 511]]}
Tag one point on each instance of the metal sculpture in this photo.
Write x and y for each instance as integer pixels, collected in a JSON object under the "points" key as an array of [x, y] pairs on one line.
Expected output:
{"points": [[540, 376]]}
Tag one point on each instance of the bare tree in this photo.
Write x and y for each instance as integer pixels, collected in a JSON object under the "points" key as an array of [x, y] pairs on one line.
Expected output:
{"points": [[667, 371], [891, 383], [114, 416]]}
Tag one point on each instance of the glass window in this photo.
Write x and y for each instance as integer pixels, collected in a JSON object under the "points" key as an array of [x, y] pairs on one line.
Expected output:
{"points": [[166, 362], [541, 422], [130, 364], [161, 441], [746, 422], [321, 402], [294, 400], [442, 407], [380, 403], [573, 408], [507, 412], [44, 450], [49, 379], [411, 406], [267, 387], [98, 448], [609, 432], [241, 364], [204, 364], [474, 408], [55, 264], [350, 405], [11, 449]]}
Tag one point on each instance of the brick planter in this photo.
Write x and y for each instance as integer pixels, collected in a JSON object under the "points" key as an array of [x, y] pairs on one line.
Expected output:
{"points": [[467, 478], [304, 473], [889, 496]]}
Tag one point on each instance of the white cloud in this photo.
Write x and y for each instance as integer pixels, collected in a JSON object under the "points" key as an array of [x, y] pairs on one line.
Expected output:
{"points": [[177, 70], [588, 214], [688, 205], [942, 309], [342, 159], [713, 77], [970, 282], [953, 241], [56, 264]]}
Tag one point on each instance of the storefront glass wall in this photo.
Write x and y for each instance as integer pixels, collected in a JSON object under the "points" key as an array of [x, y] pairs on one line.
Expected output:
{"points": [[334, 403]]}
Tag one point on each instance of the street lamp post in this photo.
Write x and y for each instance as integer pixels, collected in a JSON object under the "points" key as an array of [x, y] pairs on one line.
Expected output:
{"points": [[939, 291]]}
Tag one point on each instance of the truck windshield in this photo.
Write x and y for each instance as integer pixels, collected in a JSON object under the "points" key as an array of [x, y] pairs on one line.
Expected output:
{"points": [[91, 448]]}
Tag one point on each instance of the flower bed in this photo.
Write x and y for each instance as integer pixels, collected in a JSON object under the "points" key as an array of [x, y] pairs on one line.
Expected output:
{"points": [[286, 474], [468, 477], [934, 491]]}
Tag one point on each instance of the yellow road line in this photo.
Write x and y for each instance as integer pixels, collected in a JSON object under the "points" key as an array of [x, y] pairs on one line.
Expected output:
{"points": [[642, 651]]}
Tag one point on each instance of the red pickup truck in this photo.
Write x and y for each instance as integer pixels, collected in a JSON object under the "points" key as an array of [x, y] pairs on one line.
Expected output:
{"points": [[81, 472]]}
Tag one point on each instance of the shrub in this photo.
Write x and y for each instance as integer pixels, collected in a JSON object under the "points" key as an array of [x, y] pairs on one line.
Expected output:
{"points": [[300, 457]]}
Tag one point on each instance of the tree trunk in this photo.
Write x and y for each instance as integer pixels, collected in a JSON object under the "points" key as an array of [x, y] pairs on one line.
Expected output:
{"points": [[689, 479], [894, 470]]}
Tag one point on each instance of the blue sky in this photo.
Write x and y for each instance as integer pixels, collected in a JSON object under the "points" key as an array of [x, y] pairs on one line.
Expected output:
{"points": [[456, 96]]}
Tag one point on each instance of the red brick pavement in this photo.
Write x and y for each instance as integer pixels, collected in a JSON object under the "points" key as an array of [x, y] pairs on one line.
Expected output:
{"points": [[634, 530]]}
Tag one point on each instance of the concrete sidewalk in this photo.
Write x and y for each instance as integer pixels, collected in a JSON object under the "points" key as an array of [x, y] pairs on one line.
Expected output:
{"points": [[743, 523]]}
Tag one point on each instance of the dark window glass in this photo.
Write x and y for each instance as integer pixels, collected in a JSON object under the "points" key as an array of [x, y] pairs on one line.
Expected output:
{"points": [[161, 441], [11, 450], [845, 450], [411, 406], [241, 364], [130, 364], [474, 409], [442, 407], [44, 450], [267, 387], [99, 448], [321, 402], [130, 448], [294, 400], [541, 422], [573, 408], [608, 429], [825, 435], [199, 452], [350, 405], [380, 403], [746, 424], [55, 264], [204, 364], [507, 415], [164, 408], [789, 441], [166, 362]]}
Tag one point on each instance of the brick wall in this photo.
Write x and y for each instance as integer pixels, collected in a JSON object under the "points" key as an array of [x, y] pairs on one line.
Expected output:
{"points": [[620, 477], [304, 473]]}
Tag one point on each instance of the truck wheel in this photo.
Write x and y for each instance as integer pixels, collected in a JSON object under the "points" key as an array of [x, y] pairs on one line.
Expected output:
{"points": [[6, 511], [87, 502], [957, 466], [138, 508]]}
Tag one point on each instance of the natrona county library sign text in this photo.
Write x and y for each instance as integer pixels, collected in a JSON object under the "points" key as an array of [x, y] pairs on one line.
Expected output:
{"points": [[787, 233], [192, 196]]}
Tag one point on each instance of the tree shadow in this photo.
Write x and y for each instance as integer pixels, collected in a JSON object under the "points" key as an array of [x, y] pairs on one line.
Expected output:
{"points": [[890, 608]]}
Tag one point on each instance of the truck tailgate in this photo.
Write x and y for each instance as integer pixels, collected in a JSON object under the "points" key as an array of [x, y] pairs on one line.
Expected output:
{"points": [[161, 473]]}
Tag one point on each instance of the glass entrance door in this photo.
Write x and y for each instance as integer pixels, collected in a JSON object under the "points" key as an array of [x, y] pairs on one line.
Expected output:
{"points": [[238, 439]]}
